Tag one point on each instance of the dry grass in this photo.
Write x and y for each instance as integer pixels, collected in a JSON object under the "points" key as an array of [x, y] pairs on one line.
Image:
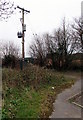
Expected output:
{"points": [[29, 93]]}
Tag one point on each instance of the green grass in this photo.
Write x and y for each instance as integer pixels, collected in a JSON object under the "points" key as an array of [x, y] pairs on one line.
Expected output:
{"points": [[22, 104], [29, 93]]}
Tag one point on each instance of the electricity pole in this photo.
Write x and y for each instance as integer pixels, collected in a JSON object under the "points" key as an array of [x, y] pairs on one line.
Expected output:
{"points": [[23, 30]]}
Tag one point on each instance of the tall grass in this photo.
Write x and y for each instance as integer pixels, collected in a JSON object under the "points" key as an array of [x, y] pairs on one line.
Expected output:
{"points": [[28, 93]]}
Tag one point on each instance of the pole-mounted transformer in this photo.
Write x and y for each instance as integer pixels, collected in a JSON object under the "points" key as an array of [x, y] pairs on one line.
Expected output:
{"points": [[19, 34]]}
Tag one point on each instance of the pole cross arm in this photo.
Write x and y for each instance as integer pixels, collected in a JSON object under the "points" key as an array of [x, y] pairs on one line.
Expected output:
{"points": [[23, 9]]}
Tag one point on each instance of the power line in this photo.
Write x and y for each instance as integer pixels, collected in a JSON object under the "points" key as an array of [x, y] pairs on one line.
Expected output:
{"points": [[31, 28]]}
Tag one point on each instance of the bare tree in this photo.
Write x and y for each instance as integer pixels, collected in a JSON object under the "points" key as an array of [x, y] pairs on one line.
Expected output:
{"points": [[77, 33], [10, 55], [50, 47], [6, 9], [59, 47], [10, 49], [64, 44], [37, 50]]}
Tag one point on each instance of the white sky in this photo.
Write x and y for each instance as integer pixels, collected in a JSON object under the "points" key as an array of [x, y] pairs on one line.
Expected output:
{"points": [[44, 16]]}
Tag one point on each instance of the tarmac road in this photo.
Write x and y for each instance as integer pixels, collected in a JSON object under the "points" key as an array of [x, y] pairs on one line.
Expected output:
{"points": [[62, 107]]}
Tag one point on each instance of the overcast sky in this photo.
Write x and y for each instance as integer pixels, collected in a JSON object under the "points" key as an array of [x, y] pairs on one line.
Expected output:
{"points": [[44, 16]]}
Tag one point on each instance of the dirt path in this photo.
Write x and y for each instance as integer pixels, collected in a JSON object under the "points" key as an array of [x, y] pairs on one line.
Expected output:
{"points": [[62, 107]]}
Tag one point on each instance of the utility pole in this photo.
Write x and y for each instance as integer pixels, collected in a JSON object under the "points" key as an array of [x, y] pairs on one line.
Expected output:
{"points": [[23, 54], [21, 35]]}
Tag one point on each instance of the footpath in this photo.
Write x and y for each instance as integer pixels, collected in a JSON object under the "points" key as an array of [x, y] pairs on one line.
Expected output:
{"points": [[63, 108]]}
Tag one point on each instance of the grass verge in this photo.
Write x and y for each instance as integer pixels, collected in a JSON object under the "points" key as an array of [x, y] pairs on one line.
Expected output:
{"points": [[30, 93]]}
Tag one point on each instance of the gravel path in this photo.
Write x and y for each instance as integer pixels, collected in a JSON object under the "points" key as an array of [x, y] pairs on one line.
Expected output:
{"points": [[62, 107]]}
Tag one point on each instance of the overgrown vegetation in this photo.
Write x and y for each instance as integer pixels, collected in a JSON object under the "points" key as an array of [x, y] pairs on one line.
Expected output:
{"points": [[31, 92], [59, 47]]}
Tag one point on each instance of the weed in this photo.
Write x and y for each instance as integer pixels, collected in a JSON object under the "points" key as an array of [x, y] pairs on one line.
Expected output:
{"points": [[29, 93]]}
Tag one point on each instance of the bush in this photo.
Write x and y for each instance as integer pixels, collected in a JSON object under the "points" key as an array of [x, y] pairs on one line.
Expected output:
{"points": [[9, 61]]}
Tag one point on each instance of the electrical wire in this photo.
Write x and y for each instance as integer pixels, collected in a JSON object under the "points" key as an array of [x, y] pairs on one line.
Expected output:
{"points": [[32, 29]]}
